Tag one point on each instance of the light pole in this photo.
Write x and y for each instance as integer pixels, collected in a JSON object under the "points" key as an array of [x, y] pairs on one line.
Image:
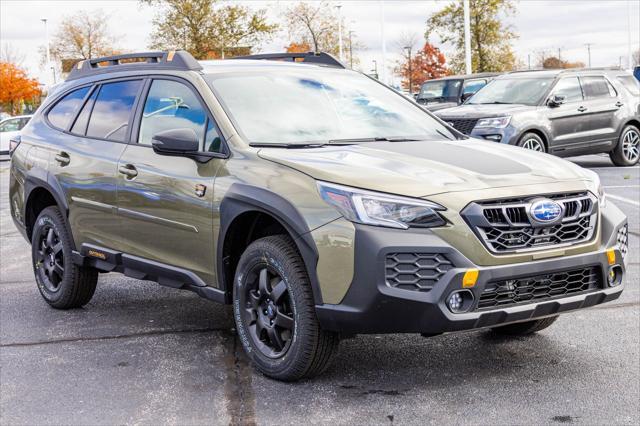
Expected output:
{"points": [[47, 49], [350, 50], [375, 68], [589, 52], [408, 48], [339, 7], [467, 37]]}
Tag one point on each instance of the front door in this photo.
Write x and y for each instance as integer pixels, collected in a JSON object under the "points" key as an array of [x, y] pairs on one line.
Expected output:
{"points": [[165, 203]]}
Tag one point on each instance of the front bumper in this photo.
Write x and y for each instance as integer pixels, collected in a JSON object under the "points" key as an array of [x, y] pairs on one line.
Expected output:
{"points": [[508, 135], [373, 306]]}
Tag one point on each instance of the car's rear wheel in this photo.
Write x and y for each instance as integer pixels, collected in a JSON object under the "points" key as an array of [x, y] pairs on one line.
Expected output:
{"points": [[274, 312], [533, 142], [525, 328], [62, 283], [627, 151]]}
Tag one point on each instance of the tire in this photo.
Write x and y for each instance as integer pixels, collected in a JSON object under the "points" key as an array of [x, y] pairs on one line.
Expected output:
{"points": [[525, 328], [271, 292], [533, 142], [62, 284], [627, 151]]}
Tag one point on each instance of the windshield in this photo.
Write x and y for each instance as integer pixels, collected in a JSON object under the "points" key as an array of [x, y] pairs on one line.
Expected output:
{"points": [[309, 105], [525, 91], [440, 91]]}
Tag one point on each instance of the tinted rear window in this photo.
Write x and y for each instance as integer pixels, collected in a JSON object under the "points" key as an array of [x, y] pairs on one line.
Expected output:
{"points": [[62, 113], [597, 87], [112, 110]]}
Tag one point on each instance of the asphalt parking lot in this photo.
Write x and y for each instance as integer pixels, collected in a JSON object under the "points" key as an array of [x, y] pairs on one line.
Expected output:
{"points": [[140, 353]]}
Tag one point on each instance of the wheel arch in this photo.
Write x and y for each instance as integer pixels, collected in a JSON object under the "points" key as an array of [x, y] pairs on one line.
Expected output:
{"points": [[248, 213], [40, 194], [538, 131]]}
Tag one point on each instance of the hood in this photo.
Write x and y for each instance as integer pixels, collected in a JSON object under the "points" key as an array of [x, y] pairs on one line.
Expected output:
{"points": [[423, 168], [483, 110]]}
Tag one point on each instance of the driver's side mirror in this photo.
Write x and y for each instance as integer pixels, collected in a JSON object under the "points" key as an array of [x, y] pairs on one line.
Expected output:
{"points": [[466, 96], [177, 143], [556, 100]]}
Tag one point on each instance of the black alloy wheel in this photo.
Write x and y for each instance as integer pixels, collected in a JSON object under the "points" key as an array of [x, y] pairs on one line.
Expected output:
{"points": [[267, 312], [49, 258]]}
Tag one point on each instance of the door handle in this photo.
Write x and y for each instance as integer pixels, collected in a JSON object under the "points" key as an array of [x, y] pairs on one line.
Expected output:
{"points": [[582, 109], [128, 170], [619, 104], [63, 158]]}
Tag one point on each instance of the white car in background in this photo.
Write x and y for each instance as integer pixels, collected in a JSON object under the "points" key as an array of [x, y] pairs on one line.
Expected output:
{"points": [[10, 127]]}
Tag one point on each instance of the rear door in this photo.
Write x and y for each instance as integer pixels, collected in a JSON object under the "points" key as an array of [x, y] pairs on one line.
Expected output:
{"points": [[601, 103], [166, 202], [569, 122], [94, 125]]}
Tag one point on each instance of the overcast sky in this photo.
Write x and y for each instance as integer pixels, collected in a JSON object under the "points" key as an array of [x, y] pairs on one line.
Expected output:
{"points": [[541, 25]]}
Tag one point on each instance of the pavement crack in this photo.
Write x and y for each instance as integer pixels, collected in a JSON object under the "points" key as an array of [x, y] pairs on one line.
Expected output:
{"points": [[238, 390], [112, 337]]}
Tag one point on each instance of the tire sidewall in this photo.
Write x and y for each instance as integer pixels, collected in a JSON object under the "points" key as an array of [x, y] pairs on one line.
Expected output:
{"points": [[50, 217], [532, 136], [260, 253], [621, 159]]}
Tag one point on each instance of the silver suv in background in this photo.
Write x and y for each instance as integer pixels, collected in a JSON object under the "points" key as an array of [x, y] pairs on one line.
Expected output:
{"points": [[452, 90], [562, 112]]}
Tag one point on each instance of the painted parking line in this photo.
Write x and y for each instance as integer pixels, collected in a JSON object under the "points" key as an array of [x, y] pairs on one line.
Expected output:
{"points": [[623, 199]]}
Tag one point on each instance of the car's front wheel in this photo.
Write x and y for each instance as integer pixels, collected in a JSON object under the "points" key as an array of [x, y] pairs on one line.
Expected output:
{"points": [[533, 142], [62, 283], [274, 312], [627, 152]]}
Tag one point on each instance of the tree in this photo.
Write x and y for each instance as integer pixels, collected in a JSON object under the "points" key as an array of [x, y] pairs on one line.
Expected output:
{"points": [[8, 53], [17, 87], [83, 35], [426, 64], [555, 63], [297, 47], [207, 30], [315, 25], [491, 48]]}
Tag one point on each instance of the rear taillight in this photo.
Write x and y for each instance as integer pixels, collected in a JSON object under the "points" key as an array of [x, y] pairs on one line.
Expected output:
{"points": [[13, 143]]}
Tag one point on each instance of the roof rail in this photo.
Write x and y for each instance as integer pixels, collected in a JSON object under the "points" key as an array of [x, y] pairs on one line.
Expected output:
{"points": [[320, 58], [170, 60]]}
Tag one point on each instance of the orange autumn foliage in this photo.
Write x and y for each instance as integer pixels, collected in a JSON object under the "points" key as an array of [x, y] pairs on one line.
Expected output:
{"points": [[15, 86], [294, 47]]}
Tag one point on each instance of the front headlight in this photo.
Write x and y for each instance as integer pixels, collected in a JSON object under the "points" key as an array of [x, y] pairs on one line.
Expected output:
{"points": [[372, 208], [493, 123]]}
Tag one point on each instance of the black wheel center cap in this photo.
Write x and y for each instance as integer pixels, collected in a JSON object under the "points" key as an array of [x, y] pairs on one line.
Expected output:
{"points": [[271, 310]]}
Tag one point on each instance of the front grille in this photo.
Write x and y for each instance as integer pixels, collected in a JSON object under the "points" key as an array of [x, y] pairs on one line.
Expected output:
{"points": [[539, 288], [622, 240], [505, 226], [415, 271], [463, 125]]}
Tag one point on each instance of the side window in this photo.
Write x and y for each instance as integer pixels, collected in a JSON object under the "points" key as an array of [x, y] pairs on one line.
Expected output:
{"points": [[212, 139], [112, 110], [569, 87], [10, 125], [597, 87], [472, 86], [630, 83], [63, 111], [80, 126], [172, 105]]}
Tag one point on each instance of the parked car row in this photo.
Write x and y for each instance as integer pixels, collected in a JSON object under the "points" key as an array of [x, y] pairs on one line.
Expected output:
{"points": [[561, 112], [9, 128]]}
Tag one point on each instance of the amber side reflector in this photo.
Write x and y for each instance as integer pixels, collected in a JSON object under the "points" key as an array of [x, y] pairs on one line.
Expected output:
{"points": [[470, 277], [611, 256]]}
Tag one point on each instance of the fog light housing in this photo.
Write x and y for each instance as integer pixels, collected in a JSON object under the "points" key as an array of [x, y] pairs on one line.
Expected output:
{"points": [[460, 301], [494, 138], [614, 276]]}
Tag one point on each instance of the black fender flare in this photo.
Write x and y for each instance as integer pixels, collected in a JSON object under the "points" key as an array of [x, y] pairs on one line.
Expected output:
{"points": [[242, 198], [44, 180]]}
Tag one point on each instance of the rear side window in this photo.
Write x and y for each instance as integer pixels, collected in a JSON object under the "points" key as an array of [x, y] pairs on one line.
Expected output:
{"points": [[111, 112], [171, 105], [63, 111], [80, 126], [597, 87], [568, 87], [630, 83]]}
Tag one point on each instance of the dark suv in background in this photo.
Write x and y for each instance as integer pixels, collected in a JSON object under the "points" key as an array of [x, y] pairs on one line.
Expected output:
{"points": [[562, 112], [451, 91]]}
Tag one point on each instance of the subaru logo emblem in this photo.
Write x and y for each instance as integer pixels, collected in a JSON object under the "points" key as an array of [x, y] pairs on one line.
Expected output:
{"points": [[545, 211]]}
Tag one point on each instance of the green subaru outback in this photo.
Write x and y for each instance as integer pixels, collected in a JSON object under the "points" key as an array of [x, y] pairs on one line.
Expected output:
{"points": [[317, 201]]}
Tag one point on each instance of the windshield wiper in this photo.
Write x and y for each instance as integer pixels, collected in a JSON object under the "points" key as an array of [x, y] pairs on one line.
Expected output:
{"points": [[492, 103], [376, 139], [287, 145]]}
